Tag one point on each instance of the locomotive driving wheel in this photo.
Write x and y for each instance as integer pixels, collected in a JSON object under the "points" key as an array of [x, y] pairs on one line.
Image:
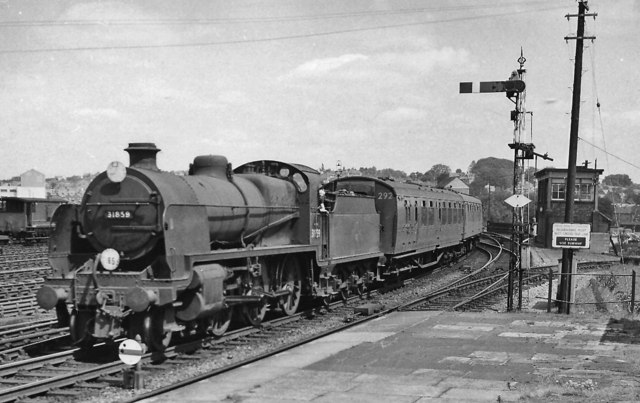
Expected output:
{"points": [[255, 312], [290, 279], [154, 333], [220, 322], [80, 323]]}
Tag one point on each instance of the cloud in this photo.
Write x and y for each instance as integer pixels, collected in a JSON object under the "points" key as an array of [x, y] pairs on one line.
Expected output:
{"points": [[422, 61], [401, 114], [632, 116], [233, 98], [97, 113], [320, 67]]}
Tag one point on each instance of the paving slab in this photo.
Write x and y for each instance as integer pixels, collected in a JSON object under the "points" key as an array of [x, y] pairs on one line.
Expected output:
{"points": [[438, 356]]}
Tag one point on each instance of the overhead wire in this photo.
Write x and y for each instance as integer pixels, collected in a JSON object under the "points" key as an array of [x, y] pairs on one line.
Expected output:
{"points": [[236, 20], [275, 38], [609, 154]]}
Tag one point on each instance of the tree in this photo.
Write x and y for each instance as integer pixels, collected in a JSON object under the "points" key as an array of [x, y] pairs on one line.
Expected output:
{"points": [[391, 173], [617, 180], [439, 170], [630, 196], [494, 171], [438, 173], [416, 176], [605, 206], [372, 171]]}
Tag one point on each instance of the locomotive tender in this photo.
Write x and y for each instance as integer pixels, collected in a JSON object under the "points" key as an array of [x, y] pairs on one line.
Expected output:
{"points": [[148, 252]]}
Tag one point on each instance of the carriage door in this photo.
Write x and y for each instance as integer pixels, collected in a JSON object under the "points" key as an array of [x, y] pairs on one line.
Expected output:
{"points": [[29, 219]]}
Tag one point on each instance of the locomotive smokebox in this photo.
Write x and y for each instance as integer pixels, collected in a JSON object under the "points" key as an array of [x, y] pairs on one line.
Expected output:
{"points": [[143, 155]]}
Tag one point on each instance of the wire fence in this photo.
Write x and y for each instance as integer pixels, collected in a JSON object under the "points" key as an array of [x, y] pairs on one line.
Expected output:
{"points": [[616, 284]]}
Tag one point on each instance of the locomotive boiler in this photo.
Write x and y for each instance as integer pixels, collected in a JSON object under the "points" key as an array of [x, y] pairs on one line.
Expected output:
{"points": [[148, 253]]}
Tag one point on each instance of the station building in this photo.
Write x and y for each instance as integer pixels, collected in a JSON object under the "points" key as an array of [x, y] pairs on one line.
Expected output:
{"points": [[551, 205]]}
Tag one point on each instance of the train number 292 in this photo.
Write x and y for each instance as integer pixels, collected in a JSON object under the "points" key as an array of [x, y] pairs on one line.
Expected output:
{"points": [[385, 196]]}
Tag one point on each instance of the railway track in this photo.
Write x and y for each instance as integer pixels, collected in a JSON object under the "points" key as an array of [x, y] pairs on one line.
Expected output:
{"points": [[22, 272], [61, 375], [17, 296], [477, 290], [17, 252], [17, 339], [64, 375]]}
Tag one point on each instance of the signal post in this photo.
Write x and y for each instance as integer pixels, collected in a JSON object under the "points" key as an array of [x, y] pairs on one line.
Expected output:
{"points": [[514, 88]]}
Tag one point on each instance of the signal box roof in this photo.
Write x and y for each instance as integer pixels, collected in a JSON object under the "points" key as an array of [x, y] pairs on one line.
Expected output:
{"points": [[581, 171]]}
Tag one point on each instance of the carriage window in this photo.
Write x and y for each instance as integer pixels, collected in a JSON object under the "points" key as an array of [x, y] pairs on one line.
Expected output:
{"points": [[298, 180], [407, 211]]}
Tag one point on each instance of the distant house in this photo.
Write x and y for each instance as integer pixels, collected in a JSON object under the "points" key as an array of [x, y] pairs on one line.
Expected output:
{"points": [[32, 186], [458, 185], [32, 178], [627, 216]]}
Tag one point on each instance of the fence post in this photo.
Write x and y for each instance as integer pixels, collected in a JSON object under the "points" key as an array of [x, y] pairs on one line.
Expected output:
{"points": [[550, 290], [633, 290]]}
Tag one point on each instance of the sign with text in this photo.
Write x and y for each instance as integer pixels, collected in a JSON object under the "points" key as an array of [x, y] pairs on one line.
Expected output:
{"points": [[568, 235]]}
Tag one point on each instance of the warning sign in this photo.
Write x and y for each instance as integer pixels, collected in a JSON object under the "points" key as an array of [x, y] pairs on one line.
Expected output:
{"points": [[568, 235]]}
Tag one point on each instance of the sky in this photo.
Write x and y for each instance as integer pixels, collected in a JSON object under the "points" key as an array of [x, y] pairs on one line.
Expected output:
{"points": [[366, 83]]}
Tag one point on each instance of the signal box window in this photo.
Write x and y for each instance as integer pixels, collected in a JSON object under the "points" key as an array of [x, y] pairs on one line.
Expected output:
{"points": [[584, 190], [558, 191]]}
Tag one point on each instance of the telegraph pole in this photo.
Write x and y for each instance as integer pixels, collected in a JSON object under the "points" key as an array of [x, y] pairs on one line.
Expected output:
{"points": [[567, 253]]}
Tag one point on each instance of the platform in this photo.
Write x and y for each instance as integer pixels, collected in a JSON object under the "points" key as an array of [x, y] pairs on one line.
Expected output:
{"points": [[444, 357]]}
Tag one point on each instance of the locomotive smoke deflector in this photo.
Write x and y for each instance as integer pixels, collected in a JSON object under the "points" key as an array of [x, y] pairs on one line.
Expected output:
{"points": [[143, 155]]}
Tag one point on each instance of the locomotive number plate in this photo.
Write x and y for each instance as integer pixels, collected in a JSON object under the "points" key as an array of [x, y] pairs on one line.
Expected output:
{"points": [[118, 214]]}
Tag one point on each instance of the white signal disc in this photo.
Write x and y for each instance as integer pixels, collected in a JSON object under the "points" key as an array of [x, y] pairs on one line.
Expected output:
{"points": [[130, 352], [110, 259], [116, 171]]}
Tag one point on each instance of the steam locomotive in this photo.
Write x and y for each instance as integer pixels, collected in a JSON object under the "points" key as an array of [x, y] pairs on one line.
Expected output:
{"points": [[148, 253]]}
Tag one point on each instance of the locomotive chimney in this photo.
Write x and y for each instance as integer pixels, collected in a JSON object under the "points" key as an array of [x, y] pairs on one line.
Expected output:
{"points": [[143, 155]]}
